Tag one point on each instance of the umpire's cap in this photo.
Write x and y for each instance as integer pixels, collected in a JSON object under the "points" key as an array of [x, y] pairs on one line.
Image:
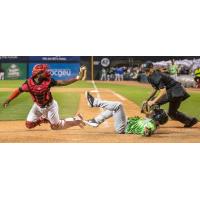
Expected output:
{"points": [[148, 65]]}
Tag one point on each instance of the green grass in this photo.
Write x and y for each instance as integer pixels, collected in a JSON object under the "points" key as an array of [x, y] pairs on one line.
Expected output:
{"points": [[137, 94], [11, 84], [81, 84], [133, 93], [19, 108], [17, 83]]}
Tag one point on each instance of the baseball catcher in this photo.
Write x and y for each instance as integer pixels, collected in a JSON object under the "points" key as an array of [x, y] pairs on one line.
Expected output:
{"points": [[45, 108], [134, 125]]}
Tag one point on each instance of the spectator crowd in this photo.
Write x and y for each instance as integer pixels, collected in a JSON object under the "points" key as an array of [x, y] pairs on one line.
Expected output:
{"points": [[120, 73], [185, 71]]}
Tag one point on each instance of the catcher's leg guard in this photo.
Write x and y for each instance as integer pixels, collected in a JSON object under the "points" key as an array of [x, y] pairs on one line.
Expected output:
{"points": [[31, 125], [61, 125], [68, 122]]}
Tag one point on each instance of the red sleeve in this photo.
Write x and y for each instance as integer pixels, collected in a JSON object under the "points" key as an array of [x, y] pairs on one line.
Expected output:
{"points": [[24, 88]]}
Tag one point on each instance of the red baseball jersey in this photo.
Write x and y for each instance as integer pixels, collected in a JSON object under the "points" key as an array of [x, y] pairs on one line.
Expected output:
{"points": [[40, 92]]}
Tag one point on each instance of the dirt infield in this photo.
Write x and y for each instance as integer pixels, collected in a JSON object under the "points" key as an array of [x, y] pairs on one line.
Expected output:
{"points": [[15, 131]]}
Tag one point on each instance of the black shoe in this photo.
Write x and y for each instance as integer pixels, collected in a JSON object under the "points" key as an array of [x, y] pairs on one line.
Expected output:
{"points": [[90, 99], [192, 123], [91, 122]]}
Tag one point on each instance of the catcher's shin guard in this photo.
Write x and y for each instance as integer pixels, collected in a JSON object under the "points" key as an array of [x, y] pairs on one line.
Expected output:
{"points": [[31, 125], [69, 122]]}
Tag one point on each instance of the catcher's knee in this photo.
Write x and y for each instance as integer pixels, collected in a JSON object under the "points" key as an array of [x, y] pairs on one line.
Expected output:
{"points": [[55, 126], [30, 125]]}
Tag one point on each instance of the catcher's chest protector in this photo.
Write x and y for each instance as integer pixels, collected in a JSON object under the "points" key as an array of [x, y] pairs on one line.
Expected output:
{"points": [[40, 92]]}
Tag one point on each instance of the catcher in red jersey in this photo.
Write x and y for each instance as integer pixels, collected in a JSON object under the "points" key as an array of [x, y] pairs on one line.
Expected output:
{"points": [[45, 108]]}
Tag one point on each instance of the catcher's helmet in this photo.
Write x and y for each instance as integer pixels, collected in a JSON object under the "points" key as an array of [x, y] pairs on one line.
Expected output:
{"points": [[41, 68], [160, 116]]}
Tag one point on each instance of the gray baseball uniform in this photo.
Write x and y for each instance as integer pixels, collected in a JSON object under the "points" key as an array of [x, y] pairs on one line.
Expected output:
{"points": [[111, 109]]}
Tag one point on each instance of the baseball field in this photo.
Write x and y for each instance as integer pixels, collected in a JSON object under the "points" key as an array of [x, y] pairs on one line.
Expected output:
{"points": [[71, 100]]}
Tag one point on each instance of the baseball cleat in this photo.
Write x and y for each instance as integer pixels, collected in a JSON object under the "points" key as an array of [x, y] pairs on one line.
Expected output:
{"points": [[192, 123], [91, 122], [90, 99]]}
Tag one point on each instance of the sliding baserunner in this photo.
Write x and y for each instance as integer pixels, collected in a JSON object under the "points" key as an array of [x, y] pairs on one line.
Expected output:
{"points": [[133, 125]]}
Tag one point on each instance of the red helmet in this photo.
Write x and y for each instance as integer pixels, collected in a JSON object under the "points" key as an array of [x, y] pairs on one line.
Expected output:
{"points": [[41, 68]]}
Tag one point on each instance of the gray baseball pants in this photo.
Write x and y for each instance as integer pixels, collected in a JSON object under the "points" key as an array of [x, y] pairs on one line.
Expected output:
{"points": [[111, 109]]}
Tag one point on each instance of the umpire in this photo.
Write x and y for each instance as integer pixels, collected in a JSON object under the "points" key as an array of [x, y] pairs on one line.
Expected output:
{"points": [[170, 91]]}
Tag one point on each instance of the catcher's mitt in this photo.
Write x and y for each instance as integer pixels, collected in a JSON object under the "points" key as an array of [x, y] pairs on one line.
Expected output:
{"points": [[145, 108]]}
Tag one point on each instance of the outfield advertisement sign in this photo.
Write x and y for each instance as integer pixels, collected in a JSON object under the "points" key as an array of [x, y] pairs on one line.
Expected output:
{"points": [[14, 59], [14, 71], [60, 71], [54, 59]]}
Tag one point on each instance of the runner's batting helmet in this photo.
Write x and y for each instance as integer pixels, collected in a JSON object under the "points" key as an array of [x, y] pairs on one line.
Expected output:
{"points": [[160, 116], [41, 68]]}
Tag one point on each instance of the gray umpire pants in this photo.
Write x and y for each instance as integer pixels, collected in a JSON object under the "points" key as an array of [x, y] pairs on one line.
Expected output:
{"points": [[111, 109]]}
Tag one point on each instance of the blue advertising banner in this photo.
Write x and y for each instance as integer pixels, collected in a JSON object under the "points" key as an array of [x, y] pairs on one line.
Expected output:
{"points": [[13, 58], [54, 58], [60, 71]]}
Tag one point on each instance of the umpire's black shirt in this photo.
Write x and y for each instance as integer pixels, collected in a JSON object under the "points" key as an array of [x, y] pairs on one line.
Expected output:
{"points": [[159, 80]]}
